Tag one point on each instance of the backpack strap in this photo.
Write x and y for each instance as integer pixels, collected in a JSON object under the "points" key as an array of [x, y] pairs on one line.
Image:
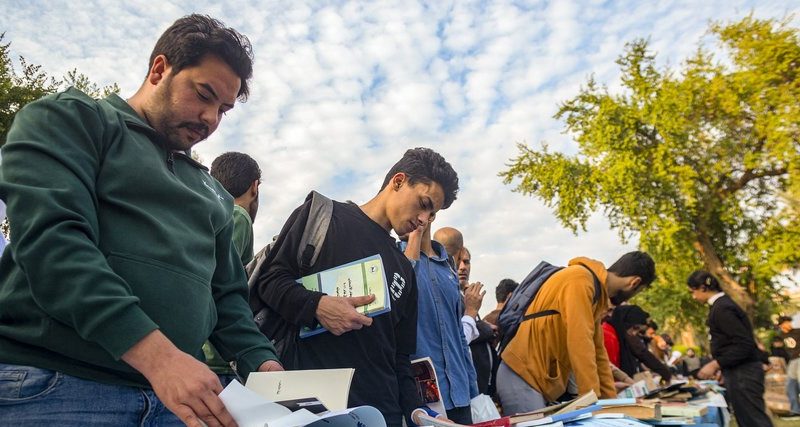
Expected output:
{"points": [[597, 285], [595, 299], [319, 219]]}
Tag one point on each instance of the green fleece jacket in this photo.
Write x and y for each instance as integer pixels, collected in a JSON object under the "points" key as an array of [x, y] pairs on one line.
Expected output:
{"points": [[114, 236]]}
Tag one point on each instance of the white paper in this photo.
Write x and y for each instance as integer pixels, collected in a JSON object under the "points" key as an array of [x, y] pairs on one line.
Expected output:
{"points": [[330, 386], [251, 410], [248, 408], [298, 418]]}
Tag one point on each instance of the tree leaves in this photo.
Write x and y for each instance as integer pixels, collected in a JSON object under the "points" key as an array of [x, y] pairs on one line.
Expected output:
{"points": [[700, 163], [31, 83]]}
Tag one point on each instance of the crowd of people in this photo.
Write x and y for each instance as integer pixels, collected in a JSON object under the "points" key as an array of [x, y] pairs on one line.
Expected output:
{"points": [[126, 272]]}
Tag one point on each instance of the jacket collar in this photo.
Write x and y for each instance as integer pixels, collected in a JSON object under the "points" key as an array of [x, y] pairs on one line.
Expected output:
{"points": [[134, 121]]}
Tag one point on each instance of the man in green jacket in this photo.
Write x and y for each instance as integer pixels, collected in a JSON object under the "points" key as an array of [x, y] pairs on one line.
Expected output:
{"points": [[241, 176], [122, 264]]}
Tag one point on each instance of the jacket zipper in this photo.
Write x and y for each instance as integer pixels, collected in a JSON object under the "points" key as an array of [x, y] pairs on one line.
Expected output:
{"points": [[171, 161]]}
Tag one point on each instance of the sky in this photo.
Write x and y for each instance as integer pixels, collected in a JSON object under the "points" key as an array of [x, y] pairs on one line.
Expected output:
{"points": [[341, 89]]}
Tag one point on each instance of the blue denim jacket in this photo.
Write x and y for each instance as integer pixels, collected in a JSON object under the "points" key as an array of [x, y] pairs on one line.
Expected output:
{"points": [[440, 335]]}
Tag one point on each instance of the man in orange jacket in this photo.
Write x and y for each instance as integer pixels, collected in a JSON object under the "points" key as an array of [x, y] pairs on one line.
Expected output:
{"points": [[547, 350]]}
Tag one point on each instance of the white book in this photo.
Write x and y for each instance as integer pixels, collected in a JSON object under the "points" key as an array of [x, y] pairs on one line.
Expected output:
{"points": [[330, 386], [249, 409]]}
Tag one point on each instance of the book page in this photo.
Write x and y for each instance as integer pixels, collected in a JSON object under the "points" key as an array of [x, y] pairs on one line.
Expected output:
{"points": [[330, 386]]}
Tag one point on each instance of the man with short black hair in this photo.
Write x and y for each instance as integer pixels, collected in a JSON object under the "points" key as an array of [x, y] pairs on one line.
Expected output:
{"points": [[415, 188], [563, 336], [734, 351], [241, 176], [122, 264], [503, 290]]}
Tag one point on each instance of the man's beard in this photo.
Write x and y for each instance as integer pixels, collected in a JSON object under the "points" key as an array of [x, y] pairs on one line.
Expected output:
{"points": [[162, 120]]}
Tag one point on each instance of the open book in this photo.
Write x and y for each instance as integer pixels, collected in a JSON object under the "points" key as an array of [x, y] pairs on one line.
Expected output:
{"points": [[330, 386], [249, 409], [355, 279]]}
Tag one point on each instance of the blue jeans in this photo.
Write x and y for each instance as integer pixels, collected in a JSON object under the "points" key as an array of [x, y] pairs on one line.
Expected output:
{"points": [[34, 397]]}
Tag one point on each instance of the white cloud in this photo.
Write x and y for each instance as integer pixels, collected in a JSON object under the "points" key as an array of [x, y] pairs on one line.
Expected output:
{"points": [[340, 91]]}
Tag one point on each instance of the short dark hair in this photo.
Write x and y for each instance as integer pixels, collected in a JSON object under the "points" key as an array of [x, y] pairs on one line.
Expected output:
{"points": [[236, 172], [782, 319], [703, 279], [652, 324], [504, 289], [425, 165], [190, 38], [636, 263]]}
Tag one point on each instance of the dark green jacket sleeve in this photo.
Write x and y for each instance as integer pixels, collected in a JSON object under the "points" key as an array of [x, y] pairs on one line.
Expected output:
{"points": [[50, 163], [236, 336]]}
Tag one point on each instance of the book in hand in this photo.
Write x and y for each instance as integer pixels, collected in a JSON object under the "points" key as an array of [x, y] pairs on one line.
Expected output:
{"points": [[330, 386], [358, 278], [249, 409]]}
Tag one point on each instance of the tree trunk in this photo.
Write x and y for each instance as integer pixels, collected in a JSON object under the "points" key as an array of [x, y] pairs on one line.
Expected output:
{"points": [[715, 266]]}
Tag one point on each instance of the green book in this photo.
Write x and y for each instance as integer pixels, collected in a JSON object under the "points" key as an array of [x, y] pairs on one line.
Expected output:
{"points": [[354, 279]]}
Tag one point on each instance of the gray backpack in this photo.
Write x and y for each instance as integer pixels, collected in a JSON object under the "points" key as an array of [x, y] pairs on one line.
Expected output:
{"points": [[282, 334], [513, 312]]}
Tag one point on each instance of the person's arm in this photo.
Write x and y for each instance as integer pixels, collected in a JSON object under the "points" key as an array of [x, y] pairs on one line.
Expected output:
{"points": [[472, 375], [577, 314], [738, 337], [235, 335], [469, 327], [709, 370], [277, 286], [242, 237], [642, 354], [473, 298]]}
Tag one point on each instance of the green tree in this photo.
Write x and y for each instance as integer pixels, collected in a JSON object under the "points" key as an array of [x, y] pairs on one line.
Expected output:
{"points": [[701, 163], [31, 83]]}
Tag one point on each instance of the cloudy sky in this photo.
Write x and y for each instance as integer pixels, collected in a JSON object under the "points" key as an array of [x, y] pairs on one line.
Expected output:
{"points": [[342, 89]]}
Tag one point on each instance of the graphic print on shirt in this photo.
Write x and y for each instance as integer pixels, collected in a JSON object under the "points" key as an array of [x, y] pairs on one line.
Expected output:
{"points": [[398, 284]]}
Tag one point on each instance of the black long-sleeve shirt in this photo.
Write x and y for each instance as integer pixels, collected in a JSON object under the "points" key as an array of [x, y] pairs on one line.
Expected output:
{"points": [[380, 352], [638, 348], [732, 342]]}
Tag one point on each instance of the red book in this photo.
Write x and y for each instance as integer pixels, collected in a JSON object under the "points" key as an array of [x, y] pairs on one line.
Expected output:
{"points": [[500, 422]]}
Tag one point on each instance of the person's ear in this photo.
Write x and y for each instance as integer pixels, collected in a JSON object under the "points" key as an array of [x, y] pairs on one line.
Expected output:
{"points": [[634, 282], [254, 187], [158, 69], [398, 180]]}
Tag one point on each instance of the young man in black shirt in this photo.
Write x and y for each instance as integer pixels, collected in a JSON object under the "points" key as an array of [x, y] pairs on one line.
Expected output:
{"points": [[415, 188], [734, 350]]}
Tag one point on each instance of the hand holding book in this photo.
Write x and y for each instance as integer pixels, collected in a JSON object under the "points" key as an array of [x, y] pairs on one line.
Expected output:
{"points": [[354, 293], [339, 314]]}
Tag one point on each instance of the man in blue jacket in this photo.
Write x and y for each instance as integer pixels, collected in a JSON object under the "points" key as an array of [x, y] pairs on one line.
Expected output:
{"points": [[439, 334]]}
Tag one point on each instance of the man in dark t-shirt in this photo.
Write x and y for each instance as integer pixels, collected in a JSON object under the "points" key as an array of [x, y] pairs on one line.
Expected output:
{"points": [[791, 344], [416, 187]]}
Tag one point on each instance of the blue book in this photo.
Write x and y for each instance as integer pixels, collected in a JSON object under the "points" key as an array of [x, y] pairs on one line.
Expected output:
{"points": [[567, 416], [358, 278]]}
